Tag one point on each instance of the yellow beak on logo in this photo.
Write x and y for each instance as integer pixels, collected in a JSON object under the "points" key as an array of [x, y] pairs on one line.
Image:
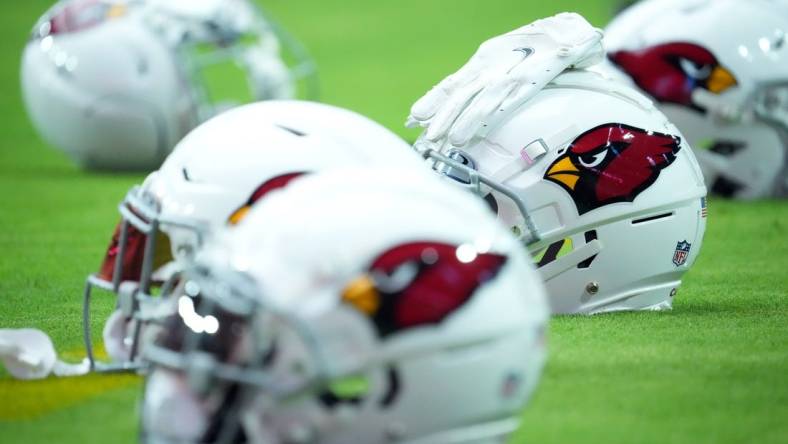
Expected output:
{"points": [[565, 172], [239, 214], [720, 80], [362, 294]]}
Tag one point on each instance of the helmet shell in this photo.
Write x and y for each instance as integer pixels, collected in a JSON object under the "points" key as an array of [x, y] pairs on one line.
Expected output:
{"points": [[719, 71], [614, 191]]}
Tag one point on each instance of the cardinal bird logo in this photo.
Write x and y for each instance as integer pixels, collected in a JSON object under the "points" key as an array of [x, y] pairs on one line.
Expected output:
{"points": [[420, 283], [263, 190], [672, 71], [612, 163]]}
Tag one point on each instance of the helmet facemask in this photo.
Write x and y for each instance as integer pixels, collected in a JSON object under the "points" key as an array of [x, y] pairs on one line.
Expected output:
{"points": [[200, 359], [239, 37], [771, 107], [250, 369], [139, 269], [248, 41], [231, 357], [462, 170], [759, 117], [508, 204]]}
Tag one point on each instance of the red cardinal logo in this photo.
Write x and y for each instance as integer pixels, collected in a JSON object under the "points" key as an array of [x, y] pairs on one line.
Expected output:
{"points": [[612, 163], [134, 252], [261, 191], [419, 283], [671, 72], [84, 14]]}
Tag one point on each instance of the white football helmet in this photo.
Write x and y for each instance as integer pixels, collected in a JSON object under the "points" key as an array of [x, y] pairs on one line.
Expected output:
{"points": [[352, 307], [210, 180], [116, 84], [719, 71], [598, 184]]}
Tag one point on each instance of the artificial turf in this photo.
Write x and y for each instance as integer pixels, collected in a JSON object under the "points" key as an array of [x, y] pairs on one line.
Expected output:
{"points": [[714, 370]]}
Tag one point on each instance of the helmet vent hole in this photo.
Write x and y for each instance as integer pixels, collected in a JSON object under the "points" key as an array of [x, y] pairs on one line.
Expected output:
{"points": [[393, 388], [590, 236], [292, 131], [727, 147], [651, 218], [553, 252], [726, 187], [491, 202]]}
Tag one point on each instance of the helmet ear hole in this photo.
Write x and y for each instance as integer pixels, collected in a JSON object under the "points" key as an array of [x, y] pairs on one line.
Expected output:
{"points": [[491, 202]]}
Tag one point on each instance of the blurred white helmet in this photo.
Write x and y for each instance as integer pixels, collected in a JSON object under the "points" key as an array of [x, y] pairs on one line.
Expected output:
{"points": [[116, 84], [352, 308], [598, 184], [211, 180], [719, 71]]}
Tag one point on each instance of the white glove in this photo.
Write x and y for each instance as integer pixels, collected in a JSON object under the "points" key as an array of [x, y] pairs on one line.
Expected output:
{"points": [[29, 354], [504, 73]]}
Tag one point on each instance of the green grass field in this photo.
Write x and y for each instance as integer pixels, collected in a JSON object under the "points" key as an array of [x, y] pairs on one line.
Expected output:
{"points": [[714, 370]]}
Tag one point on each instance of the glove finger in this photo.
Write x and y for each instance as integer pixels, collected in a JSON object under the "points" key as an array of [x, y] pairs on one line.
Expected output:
{"points": [[450, 109], [593, 55], [411, 122], [476, 117], [510, 103], [426, 107], [494, 55], [567, 28]]}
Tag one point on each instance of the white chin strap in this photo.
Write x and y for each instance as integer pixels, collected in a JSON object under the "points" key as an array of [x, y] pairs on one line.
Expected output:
{"points": [[30, 354]]}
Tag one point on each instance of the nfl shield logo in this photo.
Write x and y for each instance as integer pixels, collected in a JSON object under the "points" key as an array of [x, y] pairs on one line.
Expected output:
{"points": [[681, 254]]}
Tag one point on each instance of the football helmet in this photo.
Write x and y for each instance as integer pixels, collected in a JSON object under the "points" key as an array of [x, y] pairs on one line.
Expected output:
{"points": [[210, 180], [719, 70], [598, 184], [116, 84], [352, 307]]}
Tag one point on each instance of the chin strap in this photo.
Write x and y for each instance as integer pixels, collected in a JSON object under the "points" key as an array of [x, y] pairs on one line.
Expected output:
{"points": [[30, 354]]}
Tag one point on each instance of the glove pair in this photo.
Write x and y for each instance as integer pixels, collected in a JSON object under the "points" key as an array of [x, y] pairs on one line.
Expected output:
{"points": [[504, 73]]}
